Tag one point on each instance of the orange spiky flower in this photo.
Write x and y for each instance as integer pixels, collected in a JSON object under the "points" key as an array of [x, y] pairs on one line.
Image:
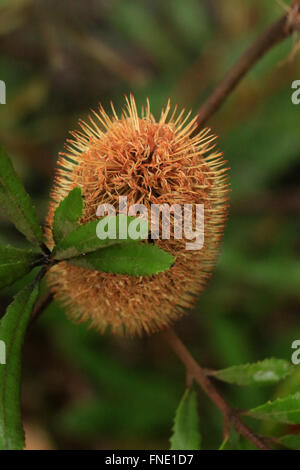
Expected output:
{"points": [[148, 161]]}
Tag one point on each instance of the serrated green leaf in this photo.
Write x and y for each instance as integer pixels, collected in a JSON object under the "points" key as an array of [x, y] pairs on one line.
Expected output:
{"points": [[186, 435], [85, 240], [14, 264], [12, 332], [283, 410], [133, 259], [292, 441], [264, 372], [16, 203], [67, 215]]}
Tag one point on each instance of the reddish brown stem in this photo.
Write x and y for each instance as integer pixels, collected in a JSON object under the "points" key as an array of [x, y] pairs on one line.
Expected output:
{"points": [[230, 415], [276, 33], [43, 303]]}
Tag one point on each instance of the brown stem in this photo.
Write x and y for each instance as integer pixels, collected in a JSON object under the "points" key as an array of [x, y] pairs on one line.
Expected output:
{"points": [[45, 249], [276, 33], [41, 306], [230, 415]]}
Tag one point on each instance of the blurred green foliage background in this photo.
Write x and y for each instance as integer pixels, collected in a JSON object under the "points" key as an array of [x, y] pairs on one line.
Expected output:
{"points": [[59, 59]]}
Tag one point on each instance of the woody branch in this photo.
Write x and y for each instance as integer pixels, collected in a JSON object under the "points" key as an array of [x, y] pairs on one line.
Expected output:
{"points": [[276, 33]]}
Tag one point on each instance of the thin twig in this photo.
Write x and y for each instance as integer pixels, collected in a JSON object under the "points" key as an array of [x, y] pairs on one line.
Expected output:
{"points": [[276, 33], [43, 303], [229, 414]]}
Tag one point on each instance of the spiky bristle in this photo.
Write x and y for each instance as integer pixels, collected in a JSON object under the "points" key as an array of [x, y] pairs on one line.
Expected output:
{"points": [[148, 161]]}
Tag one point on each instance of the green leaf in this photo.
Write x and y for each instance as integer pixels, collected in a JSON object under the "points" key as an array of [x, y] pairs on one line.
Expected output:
{"points": [[85, 240], [16, 203], [232, 442], [133, 259], [186, 434], [67, 215], [14, 264], [12, 332], [264, 372], [283, 410], [224, 444], [292, 441]]}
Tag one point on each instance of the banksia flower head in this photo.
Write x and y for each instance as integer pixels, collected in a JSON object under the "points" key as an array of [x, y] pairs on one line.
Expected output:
{"points": [[150, 162]]}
